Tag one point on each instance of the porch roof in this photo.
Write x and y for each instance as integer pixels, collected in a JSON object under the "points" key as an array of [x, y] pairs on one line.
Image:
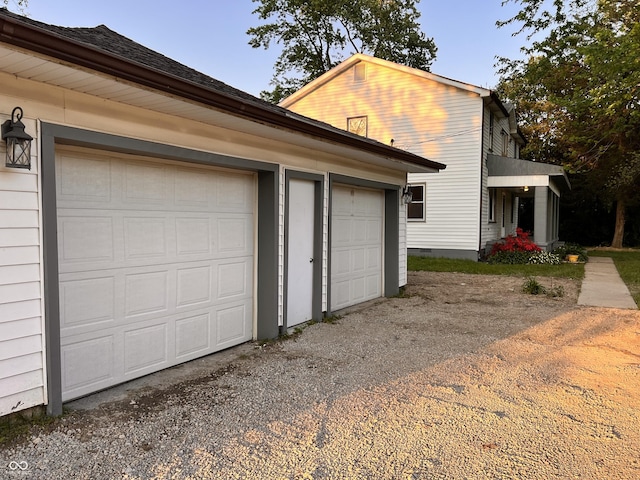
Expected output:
{"points": [[513, 172]]}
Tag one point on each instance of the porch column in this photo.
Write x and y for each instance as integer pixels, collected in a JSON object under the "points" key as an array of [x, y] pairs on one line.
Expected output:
{"points": [[540, 216]]}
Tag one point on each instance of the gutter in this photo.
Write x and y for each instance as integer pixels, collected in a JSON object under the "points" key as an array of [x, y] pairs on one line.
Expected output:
{"points": [[36, 39]]}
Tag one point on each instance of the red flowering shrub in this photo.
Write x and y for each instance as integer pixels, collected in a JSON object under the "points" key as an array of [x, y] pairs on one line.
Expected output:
{"points": [[520, 242]]}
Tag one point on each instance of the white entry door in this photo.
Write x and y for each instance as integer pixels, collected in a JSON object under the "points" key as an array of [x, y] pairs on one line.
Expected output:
{"points": [[300, 261], [155, 265], [356, 245]]}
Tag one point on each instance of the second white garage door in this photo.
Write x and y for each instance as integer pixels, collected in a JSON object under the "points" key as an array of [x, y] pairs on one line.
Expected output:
{"points": [[155, 265], [356, 245]]}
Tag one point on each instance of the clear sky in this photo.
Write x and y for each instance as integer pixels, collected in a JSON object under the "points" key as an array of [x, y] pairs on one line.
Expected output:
{"points": [[210, 35]]}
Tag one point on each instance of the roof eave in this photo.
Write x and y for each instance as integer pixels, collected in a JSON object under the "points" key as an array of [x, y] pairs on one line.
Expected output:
{"points": [[41, 41]]}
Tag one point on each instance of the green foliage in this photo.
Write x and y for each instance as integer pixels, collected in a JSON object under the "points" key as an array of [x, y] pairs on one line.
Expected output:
{"points": [[510, 257], [555, 291], [533, 287], [577, 92], [415, 264], [572, 249], [315, 35]]}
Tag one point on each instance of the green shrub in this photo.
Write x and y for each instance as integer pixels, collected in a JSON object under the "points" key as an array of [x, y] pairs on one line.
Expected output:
{"points": [[510, 257], [557, 291], [572, 249], [533, 287]]}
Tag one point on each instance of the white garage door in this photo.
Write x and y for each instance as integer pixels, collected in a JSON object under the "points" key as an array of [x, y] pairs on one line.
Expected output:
{"points": [[356, 245], [155, 265]]}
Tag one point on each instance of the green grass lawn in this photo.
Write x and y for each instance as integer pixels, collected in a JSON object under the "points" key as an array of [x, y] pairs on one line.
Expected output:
{"points": [[566, 270], [628, 264]]}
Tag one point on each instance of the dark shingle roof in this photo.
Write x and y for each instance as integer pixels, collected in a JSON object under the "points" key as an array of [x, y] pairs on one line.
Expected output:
{"points": [[102, 49], [105, 39]]}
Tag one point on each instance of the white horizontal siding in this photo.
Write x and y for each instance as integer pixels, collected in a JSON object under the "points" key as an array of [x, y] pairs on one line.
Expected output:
{"points": [[492, 231], [21, 322], [433, 120]]}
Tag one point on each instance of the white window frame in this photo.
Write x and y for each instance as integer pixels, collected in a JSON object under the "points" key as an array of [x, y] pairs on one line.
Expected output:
{"points": [[505, 143], [491, 128], [493, 193], [422, 202]]}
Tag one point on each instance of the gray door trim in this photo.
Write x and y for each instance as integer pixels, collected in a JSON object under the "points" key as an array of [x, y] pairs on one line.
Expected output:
{"points": [[267, 261], [318, 180], [391, 235]]}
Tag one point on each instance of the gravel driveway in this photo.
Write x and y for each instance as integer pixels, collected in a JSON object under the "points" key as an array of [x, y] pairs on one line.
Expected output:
{"points": [[463, 377]]}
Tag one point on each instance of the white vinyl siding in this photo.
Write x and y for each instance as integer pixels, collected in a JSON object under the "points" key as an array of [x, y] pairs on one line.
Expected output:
{"points": [[437, 121], [22, 381], [492, 228]]}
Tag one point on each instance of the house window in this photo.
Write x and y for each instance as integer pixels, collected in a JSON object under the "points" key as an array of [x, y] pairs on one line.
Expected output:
{"points": [[505, 143], [357, 125], [359, 72], [492, 205], [491, 120], [504, 210], [416, 209]]}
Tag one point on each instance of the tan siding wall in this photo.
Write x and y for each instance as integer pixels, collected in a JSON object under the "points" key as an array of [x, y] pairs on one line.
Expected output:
{"points": [[21, 322], [433, 120]]}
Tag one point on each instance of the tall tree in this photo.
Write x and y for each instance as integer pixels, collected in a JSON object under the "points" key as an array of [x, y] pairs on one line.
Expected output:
{"points": [[580, 87], [315, 35]]}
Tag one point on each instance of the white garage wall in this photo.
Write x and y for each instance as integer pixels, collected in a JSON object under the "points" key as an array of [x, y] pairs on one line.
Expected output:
{"points": [[22, 382]]}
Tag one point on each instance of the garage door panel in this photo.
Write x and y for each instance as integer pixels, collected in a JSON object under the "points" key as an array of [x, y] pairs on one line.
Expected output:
{"points": [[145, 346], [83, 180], [233, 323], [87, 302], [193, 236], [192, 336], [82, 240], [146, 293], [154, 272], [356, 245], [99, 352], [234, 194], [373, 258], [145, 237], [194, 285], [146, 184]]}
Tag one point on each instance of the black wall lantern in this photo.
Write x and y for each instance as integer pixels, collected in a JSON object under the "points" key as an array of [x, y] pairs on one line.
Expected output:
{"points": [[407, 194], [18, 141]]}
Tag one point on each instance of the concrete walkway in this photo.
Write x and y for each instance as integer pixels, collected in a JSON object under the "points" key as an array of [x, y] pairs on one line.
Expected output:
{"points": [[603, 287]]}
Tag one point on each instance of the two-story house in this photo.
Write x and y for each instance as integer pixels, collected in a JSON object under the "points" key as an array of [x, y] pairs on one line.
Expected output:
{"points": [[462, 210]]}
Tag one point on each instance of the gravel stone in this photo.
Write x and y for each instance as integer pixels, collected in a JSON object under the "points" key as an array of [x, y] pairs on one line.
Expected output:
{"points": [[461, 376]]}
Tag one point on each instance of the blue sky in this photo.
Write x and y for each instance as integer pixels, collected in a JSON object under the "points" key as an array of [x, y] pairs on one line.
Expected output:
{"points": [[210, 35]]}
